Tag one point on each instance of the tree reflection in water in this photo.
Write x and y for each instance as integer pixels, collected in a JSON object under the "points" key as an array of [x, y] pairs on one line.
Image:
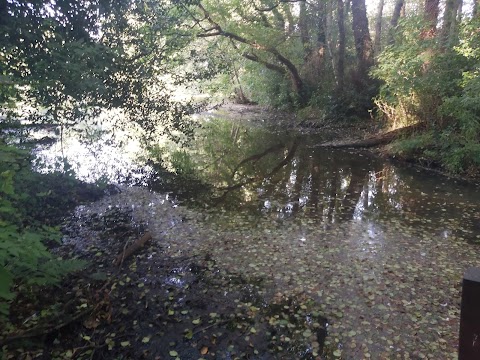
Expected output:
{"points": [[243, 167]]}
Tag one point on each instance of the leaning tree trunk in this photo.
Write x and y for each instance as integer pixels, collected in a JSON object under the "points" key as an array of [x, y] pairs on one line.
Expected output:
{"points": [[378, 28], [363, 41], [397, 11]]}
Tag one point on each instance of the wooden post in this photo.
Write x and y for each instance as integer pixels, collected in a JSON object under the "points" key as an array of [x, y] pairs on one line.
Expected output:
{"points": [[469, 343]]}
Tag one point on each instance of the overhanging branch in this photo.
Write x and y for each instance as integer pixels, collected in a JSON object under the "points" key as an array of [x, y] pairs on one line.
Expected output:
{"points": [[292, 69], [268, 65]]}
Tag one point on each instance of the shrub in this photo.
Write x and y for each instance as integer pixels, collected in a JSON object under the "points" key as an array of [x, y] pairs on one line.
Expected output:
{"points": [[24, 257], [439, 87]]}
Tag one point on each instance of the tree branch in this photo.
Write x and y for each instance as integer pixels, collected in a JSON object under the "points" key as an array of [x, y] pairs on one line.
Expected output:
{"points": [[268, 65], [274, 6], [296, 79]]}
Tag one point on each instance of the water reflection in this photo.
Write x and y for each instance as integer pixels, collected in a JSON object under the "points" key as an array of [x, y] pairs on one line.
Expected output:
{"points": [[379, 247], [94, 151], [277, 174]]}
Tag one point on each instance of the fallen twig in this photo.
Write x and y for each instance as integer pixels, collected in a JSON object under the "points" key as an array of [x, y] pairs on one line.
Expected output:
{"points": [[44, 330], [132, 248], [210, 326]]}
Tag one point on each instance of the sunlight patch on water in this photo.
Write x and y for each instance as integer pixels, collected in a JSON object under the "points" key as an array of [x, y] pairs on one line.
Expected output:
{"points": [[96, 151]]}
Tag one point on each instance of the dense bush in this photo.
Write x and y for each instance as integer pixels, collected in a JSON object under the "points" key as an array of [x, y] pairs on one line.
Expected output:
{"points": [[25, 259], [437, 86]]}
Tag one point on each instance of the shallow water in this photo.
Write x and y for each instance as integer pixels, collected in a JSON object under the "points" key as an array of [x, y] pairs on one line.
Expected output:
{"points": [[381, 249]]}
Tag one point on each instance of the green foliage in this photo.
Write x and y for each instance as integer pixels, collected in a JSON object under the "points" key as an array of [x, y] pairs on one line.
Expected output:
{"points": [[410, 88], [266, 87], [419, 148], [66, 61], [464, 105], [438, 87], [24, 256]]}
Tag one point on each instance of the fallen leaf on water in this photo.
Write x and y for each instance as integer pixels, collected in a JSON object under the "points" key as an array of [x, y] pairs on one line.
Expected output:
{"points": [[146, 339]]}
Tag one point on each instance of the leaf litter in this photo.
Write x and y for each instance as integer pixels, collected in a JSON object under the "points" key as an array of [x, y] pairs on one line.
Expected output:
{"points": [[222, 284]]}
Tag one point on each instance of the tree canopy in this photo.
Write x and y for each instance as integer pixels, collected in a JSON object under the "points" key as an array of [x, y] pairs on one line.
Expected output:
{"points": [[64, 61]]}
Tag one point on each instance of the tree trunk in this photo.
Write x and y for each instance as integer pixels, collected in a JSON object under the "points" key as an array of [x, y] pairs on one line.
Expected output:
{"points": [[459, 11], [302, 24], [475, 12], [431, 11], [397, 11], [322, 25], [375, 140], [363, 41], [322, 22], [341, 45], [289, 16], [329, 11], [378, 28], [449, 23]]}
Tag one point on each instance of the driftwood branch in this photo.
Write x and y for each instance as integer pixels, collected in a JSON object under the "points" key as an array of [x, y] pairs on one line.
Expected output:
{"points": [[139, 243]]}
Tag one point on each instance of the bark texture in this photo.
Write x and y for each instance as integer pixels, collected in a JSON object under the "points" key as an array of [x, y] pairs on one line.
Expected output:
{"points": [[361, 34], [431, 12], [341, 45]]}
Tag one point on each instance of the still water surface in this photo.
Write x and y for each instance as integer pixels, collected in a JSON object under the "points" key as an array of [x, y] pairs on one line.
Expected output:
{"points": [[380, 248]]}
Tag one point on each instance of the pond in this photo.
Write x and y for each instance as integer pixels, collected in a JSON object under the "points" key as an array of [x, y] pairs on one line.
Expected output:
{"points": [[335, 243]]}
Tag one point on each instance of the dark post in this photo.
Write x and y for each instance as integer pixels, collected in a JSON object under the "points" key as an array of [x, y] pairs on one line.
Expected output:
{"points": [[469, 343]]}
